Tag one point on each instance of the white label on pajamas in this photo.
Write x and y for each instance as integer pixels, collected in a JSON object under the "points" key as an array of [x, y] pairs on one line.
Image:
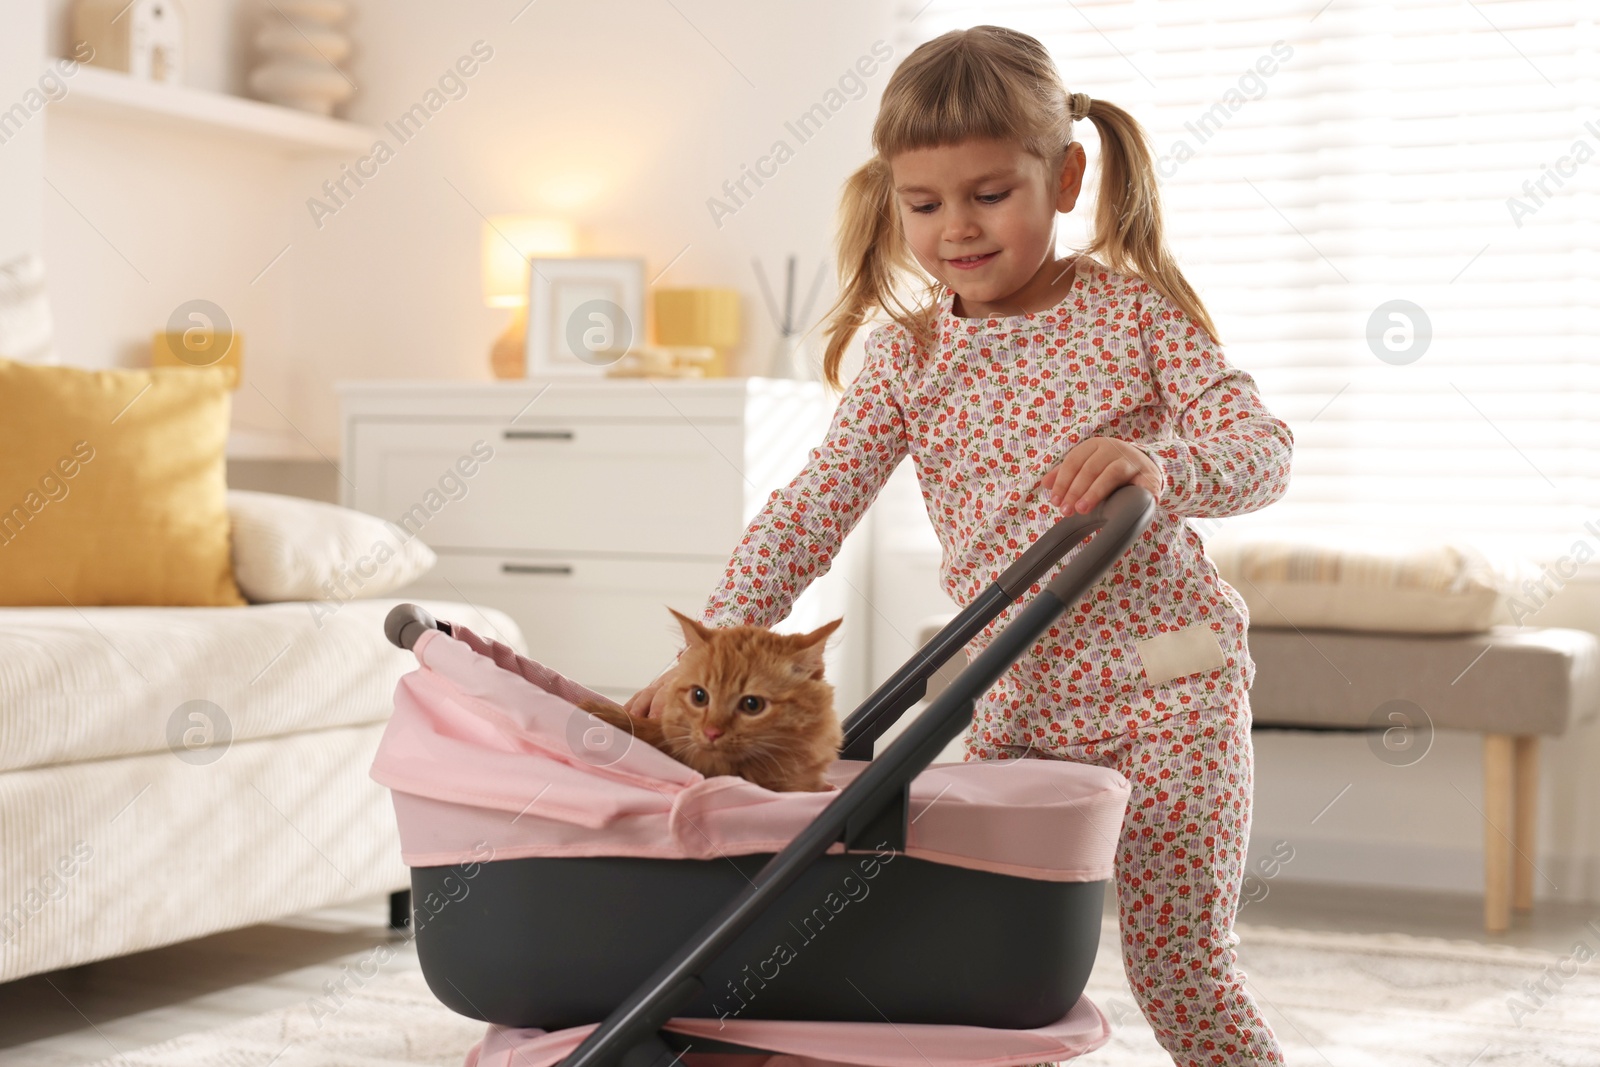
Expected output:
{"points": [[1179, 652]]}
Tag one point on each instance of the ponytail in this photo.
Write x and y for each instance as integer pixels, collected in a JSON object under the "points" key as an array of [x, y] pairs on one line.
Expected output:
{"points": [[1128, 233], [871, 254]]}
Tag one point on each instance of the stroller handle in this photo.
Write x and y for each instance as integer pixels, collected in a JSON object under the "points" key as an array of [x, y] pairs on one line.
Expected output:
{"points": [[630, 1035], [405, 623], [1117, 519], [1057, 541]]}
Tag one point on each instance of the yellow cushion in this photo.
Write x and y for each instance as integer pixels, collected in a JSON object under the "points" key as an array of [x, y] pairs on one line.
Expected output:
{"points": [[113, 488]]}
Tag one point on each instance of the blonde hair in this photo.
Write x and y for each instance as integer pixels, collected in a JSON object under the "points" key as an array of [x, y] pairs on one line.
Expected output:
{"points": [[989, 82]]}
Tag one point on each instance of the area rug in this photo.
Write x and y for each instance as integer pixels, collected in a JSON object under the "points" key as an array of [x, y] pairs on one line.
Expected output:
{"points": [[1335, 1000]]}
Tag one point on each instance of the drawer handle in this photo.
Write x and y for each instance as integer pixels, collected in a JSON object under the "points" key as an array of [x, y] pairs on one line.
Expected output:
{"points": [[539, 435], [535, 568]]}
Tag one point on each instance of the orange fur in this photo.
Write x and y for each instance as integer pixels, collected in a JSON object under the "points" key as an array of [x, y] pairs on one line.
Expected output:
{"points": [[786, 746]]}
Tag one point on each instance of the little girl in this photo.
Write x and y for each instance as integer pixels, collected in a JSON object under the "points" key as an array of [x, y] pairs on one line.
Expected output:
{"points": [[1025, 386]]}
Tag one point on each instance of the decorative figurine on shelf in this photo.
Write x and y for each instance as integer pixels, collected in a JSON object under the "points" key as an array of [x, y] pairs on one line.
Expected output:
{"points": [[786, 357], [142, 38], [663, 361], [301, 45]]}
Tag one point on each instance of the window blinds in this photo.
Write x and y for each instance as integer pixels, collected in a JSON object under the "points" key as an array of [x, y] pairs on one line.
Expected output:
{"points": [[1391, 211]]}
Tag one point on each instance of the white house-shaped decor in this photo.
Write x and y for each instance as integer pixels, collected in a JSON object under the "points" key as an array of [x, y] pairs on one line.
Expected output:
{"points": [[143, 38]]}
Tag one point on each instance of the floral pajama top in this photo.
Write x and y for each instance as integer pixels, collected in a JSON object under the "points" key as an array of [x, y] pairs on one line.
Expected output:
{"points": [[984, 418]]}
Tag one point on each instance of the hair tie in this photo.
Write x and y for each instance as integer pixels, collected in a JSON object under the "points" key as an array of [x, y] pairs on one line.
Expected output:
{"points": [[1078, 105]]}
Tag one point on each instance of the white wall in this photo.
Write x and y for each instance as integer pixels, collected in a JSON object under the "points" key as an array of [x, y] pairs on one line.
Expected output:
{"points": [[180, 220], [618, 114], [22, 154]]}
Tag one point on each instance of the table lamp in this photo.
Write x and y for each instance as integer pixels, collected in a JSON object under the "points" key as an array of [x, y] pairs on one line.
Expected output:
{"points": [[705, 317], [508, 242]]}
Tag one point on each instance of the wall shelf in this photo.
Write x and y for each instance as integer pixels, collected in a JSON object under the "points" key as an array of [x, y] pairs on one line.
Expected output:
{"points": [[110, 94]]}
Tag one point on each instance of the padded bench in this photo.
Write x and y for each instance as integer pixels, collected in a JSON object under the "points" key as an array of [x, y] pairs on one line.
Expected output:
{"points": [[1512, 685]]}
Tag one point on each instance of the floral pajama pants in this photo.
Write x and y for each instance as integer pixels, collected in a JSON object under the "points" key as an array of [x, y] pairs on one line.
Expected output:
{"points": [[1179, 867]]}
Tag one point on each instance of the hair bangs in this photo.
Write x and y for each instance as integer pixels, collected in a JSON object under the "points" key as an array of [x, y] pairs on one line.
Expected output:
{"points": [[944, 104]]}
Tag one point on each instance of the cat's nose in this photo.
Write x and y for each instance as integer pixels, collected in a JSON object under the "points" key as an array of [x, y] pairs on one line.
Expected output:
{"points": [[711, 732]]}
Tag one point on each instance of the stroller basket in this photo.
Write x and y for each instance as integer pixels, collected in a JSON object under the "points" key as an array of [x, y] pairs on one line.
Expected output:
{"points": [[562, 876]]}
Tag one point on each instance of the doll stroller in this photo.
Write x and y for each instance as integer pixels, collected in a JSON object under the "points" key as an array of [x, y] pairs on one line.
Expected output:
{"points": [[600, 904]]}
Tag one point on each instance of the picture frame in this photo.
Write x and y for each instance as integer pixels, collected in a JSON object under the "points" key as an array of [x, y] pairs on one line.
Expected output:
{"points": [[584, 314]]}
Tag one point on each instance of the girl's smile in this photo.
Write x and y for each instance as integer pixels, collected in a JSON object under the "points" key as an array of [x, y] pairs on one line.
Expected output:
{"points": [[973, 262]]}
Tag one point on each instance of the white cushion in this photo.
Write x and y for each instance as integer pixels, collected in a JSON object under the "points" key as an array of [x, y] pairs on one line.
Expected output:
{"points": [[1315, 581], [98, 683], [288, 548], [27, 333]]}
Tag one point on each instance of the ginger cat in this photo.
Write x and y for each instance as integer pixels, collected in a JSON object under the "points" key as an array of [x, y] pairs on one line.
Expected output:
{"points": [[744, 700]]}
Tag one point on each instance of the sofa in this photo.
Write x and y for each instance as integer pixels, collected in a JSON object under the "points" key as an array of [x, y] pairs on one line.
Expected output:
{"points": [[194, 758], [169, 772]]}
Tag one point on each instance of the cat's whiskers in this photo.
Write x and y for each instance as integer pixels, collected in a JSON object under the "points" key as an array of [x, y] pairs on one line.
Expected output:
{"points": [[764, 757], [679, 748]]}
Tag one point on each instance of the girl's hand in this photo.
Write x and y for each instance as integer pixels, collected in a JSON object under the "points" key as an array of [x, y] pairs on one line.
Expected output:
{"points": [[1094, 467], [651, 701]]}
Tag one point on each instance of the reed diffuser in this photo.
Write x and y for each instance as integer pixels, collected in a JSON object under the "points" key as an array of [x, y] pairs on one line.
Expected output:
{"points": [[785, 361]]}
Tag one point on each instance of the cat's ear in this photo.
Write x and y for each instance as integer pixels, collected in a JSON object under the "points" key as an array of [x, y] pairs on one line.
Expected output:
{"points": [[812, 645], [693, 632]]}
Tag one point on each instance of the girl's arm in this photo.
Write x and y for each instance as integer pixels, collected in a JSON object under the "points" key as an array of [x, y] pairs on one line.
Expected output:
{"points": [[1226, 454], [1230, 455], [792, 542]]}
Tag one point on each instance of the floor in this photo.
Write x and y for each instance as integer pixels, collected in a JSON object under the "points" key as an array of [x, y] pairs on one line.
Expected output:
{"points": [[87, 1013]]}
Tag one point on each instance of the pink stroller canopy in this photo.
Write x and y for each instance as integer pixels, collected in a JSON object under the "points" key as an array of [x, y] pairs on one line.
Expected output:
{"points": [[488, 756]]}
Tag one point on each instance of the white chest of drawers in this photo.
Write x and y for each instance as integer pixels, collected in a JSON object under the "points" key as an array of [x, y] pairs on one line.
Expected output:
{"points": [[583, 508]]}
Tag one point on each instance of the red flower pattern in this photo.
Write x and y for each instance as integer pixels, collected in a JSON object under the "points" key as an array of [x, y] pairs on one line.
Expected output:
{"points": [[983, 418]]}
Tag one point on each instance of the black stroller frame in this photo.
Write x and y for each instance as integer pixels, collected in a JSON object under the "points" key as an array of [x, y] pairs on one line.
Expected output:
{"points": [[871, 812]]}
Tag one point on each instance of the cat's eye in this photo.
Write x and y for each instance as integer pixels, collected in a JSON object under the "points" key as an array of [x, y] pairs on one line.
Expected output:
{"points": [[699, 697], [751, 705]]}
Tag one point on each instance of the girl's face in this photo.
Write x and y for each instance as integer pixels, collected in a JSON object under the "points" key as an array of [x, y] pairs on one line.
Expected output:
{"points": [[980, 217]]}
